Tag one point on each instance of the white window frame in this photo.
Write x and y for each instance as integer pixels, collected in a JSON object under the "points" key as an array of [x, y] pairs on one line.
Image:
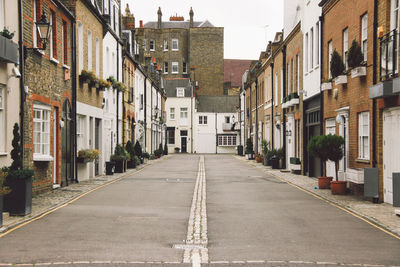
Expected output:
{"points": [[312, 48], [43, 153], [175, 44], [364, 35], [184, 113], [34, 8], [2, 119], [90, 51], [346, 47], [152, 45], [317, 41], [166, 68], [145, 45], [282, 81], [330, 51], [51, 35], [175, 65], [165, 44], [172, 114], [227, 140], [306, 53], [2, 17], [97, 57], [80, 131], [363, 136], [203, 120], [276, 89], [180, 92], [80, 46], [298, 72], [184, 68]]}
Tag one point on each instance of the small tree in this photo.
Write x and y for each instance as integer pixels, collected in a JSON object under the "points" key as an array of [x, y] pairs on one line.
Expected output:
{"points": [[337, 66], [165, 149], [356, 57], [16, 170], [317, 147], [160, 149], [130, 149], [335, 150], [138, 149], [249, 146]]}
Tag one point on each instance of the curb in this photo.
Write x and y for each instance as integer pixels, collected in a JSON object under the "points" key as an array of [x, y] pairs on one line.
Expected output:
{"points": [[337, 204], [4, 230]]}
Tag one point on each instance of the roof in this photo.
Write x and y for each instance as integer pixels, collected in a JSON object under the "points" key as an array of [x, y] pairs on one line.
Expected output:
{"points": [[234, 69], [178, 24], [218, 104], [170, 86]]}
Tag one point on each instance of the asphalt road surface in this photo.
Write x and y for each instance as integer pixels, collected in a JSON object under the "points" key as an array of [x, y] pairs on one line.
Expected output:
{"points": [[251, 220]]}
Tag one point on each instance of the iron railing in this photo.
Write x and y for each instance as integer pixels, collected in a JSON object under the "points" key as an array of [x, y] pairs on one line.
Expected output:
{"points": [[388, 55]]}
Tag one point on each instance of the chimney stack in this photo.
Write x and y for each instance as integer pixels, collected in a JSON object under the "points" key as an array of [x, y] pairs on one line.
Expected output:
{"points": [[191, 17], [141, 23], [128, 20], [159, 13]]}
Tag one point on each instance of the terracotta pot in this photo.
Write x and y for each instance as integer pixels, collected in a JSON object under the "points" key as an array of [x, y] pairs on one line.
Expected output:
{"points": [[324, 182], [338, 187]]}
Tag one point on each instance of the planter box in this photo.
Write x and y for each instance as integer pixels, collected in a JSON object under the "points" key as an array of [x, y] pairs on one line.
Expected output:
{"points": [[83, 160], [131, 164], [341, 79], [119, 166], [8, 50], [110, 165], [355, 175], [295, 167], [359, 72], [326, 86], [294, 101], [249, 156], [19, 201]]}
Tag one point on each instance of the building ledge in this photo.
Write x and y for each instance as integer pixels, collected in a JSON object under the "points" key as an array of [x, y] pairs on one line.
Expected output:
{"points": [[38, 157]]}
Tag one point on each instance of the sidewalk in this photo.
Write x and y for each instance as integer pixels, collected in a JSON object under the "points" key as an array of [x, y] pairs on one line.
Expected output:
{"points": [[382, 215], [43, 203]]}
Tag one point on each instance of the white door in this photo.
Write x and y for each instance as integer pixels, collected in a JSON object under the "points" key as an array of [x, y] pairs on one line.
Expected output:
{"points": [[289, 140], [55, 148], [330, 128], [391, 152]]}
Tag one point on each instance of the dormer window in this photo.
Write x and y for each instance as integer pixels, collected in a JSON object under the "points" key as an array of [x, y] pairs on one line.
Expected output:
{"points": [[180, 92]]}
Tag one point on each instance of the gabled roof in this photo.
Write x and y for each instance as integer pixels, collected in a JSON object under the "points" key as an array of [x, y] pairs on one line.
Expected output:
{"points": [[218, 104], [170, 86], [234, 69], [178, 24]]}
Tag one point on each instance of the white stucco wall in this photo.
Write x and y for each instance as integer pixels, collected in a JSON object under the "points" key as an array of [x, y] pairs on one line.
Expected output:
{"points": [[292, 10], [139, 112]]}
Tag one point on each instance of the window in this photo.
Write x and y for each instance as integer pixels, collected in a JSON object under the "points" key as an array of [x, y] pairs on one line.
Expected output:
{"points": [[226, 140], [41, 130], [36, 16], [171, 135], [203, 120], [175, 44], [2, 14], [363, 135], [364, 35], [165, 67], [281, 85], [184, 113], [175, 67], [152, 45], [288, 77], [184, 67], [80, 132], [64, 43], [172, 113], [144, 45], [80, 45], [227, 119], [97, 57], [114, 19], [276, 89], [306, 54], [180, 92], [345, 46], [89, 45], [312, 48], [330, 51], [317, 44], [53, 35], [2, 119], [141, 101], [165, 45], [298, 72]]}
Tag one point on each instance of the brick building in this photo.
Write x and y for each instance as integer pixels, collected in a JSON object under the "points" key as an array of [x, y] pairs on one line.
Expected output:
{"points": [[48, 111], [184, 49], [233, 71], [348, 111]]}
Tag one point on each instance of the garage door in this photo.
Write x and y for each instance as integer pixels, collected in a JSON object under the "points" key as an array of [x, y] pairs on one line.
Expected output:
{"points": [[206, 143], [391, 152]]}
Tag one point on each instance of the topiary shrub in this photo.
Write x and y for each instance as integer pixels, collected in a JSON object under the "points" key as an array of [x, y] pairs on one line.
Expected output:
{"points": [[249, 146], [355, 57], [335, 151], [337, 65], [138, 149]]}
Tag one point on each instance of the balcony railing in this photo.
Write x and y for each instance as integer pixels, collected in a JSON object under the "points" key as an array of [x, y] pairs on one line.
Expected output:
{"points": [[389, 54]]}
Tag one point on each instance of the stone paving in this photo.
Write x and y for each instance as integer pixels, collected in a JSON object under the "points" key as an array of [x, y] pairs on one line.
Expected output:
{"points": [[382, 214], [45, 202]]}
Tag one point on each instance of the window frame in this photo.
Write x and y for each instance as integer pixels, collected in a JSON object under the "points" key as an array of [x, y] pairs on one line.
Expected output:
{"points": [[184, 113], [175, 41], [226, 140], [166, 70], [152, 45], [172, 114], [180, 92], [363, 138], [80, 131], [345, 36], [176, 65], [53, 35], [43, 154], [184, 68], [171, 138], [89, 50], [364, 35], [166, 45], [203, 120]]}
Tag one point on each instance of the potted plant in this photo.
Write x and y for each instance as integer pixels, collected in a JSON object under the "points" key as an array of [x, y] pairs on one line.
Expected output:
{"points": [[266, 151], [317, 147], [177, 149], [294, 99], [146, 156], [110, 167], [87, 155], [334, 146], [4, 190], [137, 160], [138, 151], [19, 201], [338, 68], [103, 84], [295, 165], [113, 82], [249, 149], [356, 60], [119, 157], [131, 163], [85, 76], [7, 34]]}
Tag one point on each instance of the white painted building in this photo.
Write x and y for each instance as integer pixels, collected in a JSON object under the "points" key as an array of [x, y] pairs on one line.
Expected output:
{"points": [[179, 110], [140, 79], [216, 125]]}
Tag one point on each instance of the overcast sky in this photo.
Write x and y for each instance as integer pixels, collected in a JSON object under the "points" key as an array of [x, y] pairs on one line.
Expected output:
{"points": [[249, 25]]}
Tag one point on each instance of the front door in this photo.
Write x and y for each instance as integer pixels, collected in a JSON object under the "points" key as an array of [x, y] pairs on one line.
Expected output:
{"points": [[67, 161], [330, 128], [391, 154], [184, 141], [289, 140], [97, 145]]}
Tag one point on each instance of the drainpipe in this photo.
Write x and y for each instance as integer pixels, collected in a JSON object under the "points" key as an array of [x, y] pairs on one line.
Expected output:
{"points": [[117, 93], [321, 110], [151, 118], [191, 118], [283, 111], [74, 87], [374, 81], [272, 107], [145, 114], [123, 101], [21, 79], [216, 133], [256, 133]]}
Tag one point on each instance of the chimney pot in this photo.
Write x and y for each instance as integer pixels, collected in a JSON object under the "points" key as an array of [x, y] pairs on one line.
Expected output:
{"points": [[141, 23]]}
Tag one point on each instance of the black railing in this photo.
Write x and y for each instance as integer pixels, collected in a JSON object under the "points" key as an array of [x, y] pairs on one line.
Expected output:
{"points": [[389, 55]]}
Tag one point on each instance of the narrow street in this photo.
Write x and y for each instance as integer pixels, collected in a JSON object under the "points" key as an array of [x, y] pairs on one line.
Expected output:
{"points": [[176, 213]]}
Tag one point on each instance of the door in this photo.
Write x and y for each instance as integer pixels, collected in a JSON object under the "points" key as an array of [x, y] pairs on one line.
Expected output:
{"points": [[289, 140], [330, 128], [391, 153], [314, 169], [55, 144], [184, 141], [344, 132], [67, 160], [97, 146]]}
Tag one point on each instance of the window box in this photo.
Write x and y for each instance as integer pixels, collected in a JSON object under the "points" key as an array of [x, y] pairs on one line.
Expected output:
{"points": [[359, 72], [295, 167], [41, 157], [8, 50], [355, 175], [83, 160], [341, 79], [326, 86], [294, 99]]}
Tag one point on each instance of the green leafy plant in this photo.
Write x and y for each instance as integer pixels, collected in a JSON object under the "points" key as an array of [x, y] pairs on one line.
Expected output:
{"points": [[355, 57], [337, 65], [90, 154], [137, 160], [317, 147], [146, 155], [265, 147], [280, 153], [4, 190], [113, 81], [130, 149], [138, 149], [335, 150], [151, 157], [119, 154], [7, 34], [249, 146], [103, 84]]}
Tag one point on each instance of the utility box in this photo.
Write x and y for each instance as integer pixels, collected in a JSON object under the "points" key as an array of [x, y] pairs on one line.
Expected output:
{"points": [[396, 189], [371, 182]]}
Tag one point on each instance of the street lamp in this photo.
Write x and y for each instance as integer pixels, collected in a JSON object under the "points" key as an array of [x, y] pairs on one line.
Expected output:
{"points": [[44, 29]]}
